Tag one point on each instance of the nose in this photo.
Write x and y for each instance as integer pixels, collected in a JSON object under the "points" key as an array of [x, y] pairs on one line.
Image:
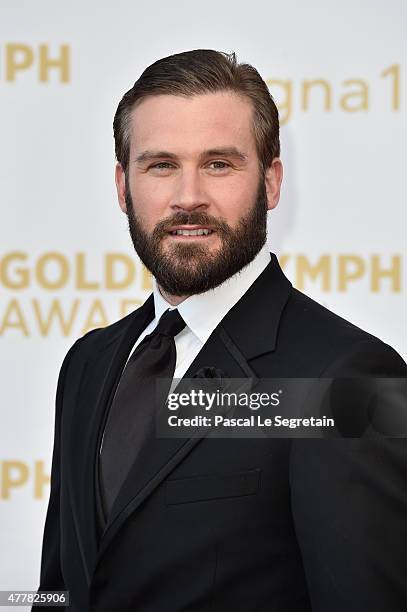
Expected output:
{"points": [[189, 193]]}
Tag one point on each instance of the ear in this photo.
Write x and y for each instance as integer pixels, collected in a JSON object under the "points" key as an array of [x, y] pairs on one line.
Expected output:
{"points": [[121, 187], [273, 178]]}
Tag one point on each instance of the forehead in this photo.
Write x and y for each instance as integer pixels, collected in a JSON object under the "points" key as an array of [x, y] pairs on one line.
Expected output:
{"points": [[193, 123]]}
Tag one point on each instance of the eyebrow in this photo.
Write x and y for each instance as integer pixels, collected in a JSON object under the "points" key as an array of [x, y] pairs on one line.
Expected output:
{"points": [[147, 155]]}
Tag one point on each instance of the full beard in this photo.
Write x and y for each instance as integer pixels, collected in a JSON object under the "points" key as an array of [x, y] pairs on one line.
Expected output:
{"points": [[188, 268]]}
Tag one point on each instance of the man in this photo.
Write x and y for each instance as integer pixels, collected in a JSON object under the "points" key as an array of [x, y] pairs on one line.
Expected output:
{"points": [[148, 524]]}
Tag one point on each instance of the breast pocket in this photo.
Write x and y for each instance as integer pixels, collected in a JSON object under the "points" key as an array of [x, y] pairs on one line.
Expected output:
{"points": [[212, 487]]}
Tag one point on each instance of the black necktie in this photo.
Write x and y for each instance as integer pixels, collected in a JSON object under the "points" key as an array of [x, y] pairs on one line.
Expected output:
{"points": [[134, 405]]}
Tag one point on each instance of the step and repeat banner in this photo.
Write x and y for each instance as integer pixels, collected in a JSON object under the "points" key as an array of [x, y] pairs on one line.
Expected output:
{"points": [[67, 265]]}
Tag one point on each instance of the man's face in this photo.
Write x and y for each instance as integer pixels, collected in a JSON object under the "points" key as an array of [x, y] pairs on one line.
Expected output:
{"points": [[195, 197]]}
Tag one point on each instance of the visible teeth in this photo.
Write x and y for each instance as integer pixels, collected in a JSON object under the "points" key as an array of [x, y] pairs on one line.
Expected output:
{"points": [[198, 232]]}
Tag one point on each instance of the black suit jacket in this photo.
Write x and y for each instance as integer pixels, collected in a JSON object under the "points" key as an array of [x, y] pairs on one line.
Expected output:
{"points": [[229, 525]]}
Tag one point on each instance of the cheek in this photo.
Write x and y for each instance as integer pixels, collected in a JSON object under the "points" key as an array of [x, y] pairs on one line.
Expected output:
{"points": [[235, 201], [150, 203]]}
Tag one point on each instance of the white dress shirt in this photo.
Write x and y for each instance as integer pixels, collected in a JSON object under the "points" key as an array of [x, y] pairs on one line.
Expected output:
{"points": [[204, 311]]}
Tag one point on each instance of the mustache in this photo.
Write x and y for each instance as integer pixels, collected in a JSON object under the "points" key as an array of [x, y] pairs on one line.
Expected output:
{"points": [[192, 218]]}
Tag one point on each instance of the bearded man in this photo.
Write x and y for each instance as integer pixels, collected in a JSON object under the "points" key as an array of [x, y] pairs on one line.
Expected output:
{"points": [[139, 522]]}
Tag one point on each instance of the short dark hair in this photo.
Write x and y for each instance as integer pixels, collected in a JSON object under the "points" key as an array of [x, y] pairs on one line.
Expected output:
{"points": [[197, 72]]}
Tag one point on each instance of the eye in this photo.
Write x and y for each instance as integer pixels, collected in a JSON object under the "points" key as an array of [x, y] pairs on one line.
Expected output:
{"points": [[219, 165], [162, 166]]}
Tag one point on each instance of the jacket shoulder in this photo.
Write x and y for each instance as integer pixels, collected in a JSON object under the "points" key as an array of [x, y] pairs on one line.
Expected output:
{"points": [[317, 318], [102, 336], [323, 337]]}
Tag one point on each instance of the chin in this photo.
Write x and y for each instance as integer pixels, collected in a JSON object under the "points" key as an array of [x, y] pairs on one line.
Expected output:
{"points": [[189, 250]]}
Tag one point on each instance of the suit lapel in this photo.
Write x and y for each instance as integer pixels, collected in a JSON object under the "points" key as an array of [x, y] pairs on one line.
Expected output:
{"points": [[254, 320], [99, 379], [248, 330]]}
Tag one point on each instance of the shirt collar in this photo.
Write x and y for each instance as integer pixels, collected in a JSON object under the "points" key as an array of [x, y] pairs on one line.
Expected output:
{"points": [[204, 311]]}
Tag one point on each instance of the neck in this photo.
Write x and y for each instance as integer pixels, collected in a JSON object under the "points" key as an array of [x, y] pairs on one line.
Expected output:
{"points": [[174, 300]]}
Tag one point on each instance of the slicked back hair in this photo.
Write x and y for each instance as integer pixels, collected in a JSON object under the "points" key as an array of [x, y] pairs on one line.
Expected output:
{"points": [[198, 72]]}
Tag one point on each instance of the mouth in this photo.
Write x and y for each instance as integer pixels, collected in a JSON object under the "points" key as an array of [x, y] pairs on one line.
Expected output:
{"points": [[191, 231]]}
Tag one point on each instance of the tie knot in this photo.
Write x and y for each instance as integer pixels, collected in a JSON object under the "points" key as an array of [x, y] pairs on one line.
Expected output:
{"points": [[170, 324]]}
